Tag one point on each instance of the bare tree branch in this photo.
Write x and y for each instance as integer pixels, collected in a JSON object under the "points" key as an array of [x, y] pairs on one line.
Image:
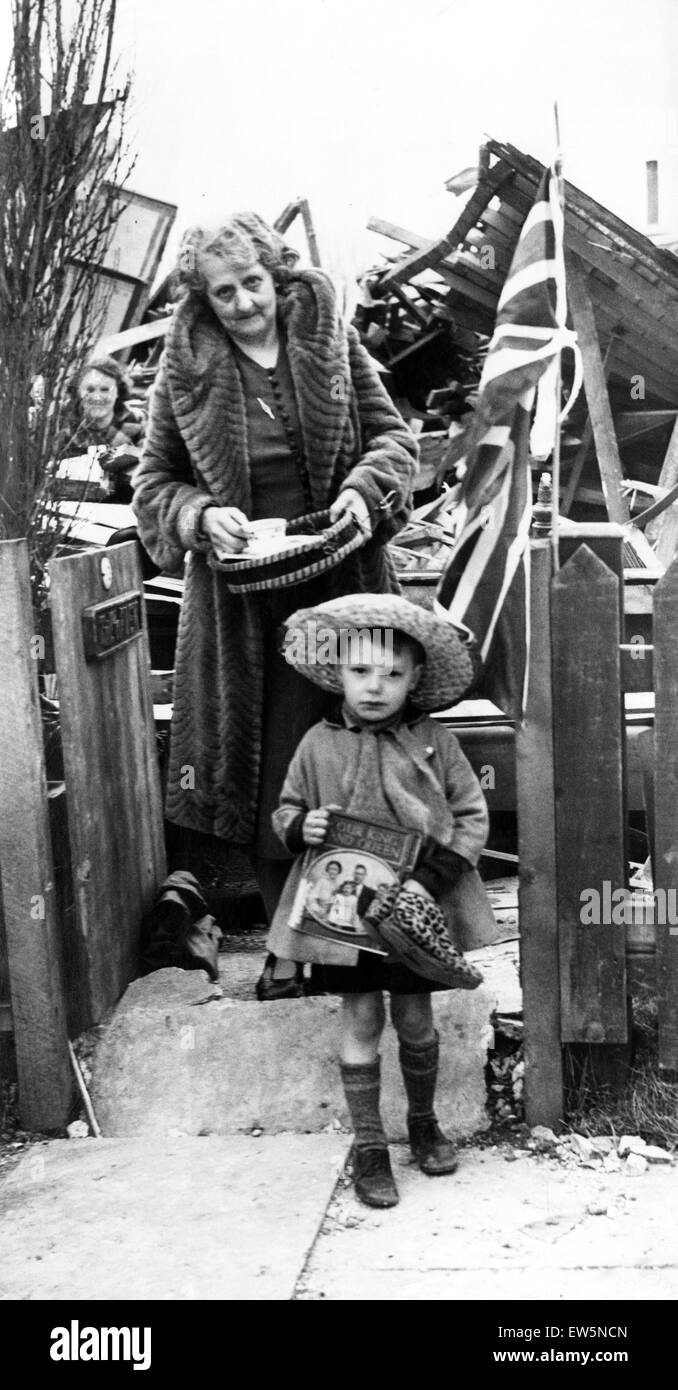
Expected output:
{"points": [[62, 158]]}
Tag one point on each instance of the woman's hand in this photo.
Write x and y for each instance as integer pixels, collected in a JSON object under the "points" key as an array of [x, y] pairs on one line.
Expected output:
{"points": [[349, 500], [227, 528], [314, 828]]}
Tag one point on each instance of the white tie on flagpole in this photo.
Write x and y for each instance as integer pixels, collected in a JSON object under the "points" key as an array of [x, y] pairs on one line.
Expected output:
{"points": [[558, 204]]}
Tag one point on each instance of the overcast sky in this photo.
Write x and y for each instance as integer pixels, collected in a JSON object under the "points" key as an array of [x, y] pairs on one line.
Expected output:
{"points": [[367, 106]]}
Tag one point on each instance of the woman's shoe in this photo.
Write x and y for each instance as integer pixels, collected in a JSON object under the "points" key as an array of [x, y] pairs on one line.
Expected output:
{"points": [[373, 1179], [435, 1154], [268, 990]]}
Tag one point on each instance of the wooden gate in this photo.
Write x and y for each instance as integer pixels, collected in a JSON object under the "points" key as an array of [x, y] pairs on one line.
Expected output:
{"points": [[61, 972], [31, 978], [110, 767], [572, 755]]}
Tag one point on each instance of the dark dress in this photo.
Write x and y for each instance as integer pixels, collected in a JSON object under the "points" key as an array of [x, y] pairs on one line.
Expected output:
{"points": [[279, 489]]}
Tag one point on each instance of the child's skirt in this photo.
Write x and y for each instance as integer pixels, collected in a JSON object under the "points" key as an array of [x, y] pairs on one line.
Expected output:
{"points": [[371, 974]]}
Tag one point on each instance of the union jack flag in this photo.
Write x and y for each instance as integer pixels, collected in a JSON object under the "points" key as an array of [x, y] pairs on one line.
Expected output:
{"points": [[485, 588]]}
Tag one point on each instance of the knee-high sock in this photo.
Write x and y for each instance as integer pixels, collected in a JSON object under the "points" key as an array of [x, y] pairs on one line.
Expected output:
{"points": [[362, 1085], [419, 1066]]}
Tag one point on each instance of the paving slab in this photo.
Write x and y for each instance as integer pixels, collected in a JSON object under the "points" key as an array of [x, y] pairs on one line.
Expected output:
{"points": [[501, 1230], [209, 1218]]}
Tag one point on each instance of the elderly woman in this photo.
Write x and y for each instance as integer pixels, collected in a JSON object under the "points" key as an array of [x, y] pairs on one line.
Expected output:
{"points": [[102, 417], [265, 405]]}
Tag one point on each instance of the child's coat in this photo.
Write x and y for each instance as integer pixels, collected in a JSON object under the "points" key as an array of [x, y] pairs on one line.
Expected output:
{"points": [[413, 775]]}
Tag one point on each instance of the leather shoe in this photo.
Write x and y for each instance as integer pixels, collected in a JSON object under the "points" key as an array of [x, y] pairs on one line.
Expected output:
{"points": [[435, 1154], [268, 990], [373, 1179]]}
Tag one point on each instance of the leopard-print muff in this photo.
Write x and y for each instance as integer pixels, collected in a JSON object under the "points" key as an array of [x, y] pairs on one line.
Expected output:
{"points": [[415, 929]]}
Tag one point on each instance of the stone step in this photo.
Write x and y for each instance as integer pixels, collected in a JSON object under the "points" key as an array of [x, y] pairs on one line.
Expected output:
{"points": [[182, 1056]]}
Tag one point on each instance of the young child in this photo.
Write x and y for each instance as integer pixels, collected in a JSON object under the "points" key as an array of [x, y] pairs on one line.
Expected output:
{"points": [[344, 909], [382, 758], [322, 894]]}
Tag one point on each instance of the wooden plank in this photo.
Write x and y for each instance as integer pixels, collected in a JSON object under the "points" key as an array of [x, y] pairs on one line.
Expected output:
{"points": [[26, 869], [637, 667], [395, 233], [665, 537], [597, 398], [643, 748], [284, 221], [429, 258], [589, 795], [636, 322], [582, 452], [665, 802], [4, 962], [632, 424], [501, 256], [411, 307], [639, 362], [309, 228], [473, 284], [634, 292], [111, 774], [500, 229], [539, 961], [300, 207]]}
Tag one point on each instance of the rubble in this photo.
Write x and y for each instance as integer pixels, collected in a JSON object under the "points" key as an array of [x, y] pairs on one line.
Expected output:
{"points": [[635, 1163], [630, 1144], [79, 1129], [542, 1138], [654, 1154], [601, 1153], [506, 1068]]}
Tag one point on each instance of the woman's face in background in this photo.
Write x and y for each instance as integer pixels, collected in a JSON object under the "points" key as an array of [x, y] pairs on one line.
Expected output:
{"points": [[242, 295], [98, 394]]}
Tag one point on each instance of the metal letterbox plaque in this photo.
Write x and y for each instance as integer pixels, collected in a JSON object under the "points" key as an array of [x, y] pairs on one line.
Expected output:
{"points": [[111, 624]]}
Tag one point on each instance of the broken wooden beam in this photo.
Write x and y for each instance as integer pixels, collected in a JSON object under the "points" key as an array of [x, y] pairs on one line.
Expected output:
{"points": [[430, 257], [666, 534]]}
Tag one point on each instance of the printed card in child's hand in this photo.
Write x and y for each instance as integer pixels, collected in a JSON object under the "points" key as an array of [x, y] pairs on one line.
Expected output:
{"points": [[357, 861]]}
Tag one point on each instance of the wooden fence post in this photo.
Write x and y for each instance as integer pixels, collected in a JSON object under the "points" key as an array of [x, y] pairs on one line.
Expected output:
{"points": [[539, 966], [26, 867], [110, 764], [666, 807], [589, 798]]}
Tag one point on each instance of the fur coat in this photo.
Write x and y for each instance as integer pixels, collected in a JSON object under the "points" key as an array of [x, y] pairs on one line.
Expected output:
{"points": [[196, 454]]}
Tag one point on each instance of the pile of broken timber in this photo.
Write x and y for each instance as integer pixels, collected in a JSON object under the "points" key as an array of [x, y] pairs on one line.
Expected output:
{"points": [[622, 436], [432, 364]]}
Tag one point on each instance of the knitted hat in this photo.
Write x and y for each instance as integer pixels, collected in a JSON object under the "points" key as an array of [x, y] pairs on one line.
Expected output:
{"points": [[317, 639]]}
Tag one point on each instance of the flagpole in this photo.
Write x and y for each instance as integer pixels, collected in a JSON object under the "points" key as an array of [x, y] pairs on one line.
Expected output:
{"points": [[558, 169]]}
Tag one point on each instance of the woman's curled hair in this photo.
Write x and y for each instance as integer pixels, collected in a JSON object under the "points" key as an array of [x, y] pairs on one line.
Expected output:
{"points": [[242, 238]]}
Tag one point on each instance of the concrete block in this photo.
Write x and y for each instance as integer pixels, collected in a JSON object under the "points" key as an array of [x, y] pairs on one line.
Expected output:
{"points": [[176, 1059]]}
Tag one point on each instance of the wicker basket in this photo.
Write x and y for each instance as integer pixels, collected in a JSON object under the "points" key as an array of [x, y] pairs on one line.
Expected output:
{"points": [[328, 544]]}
